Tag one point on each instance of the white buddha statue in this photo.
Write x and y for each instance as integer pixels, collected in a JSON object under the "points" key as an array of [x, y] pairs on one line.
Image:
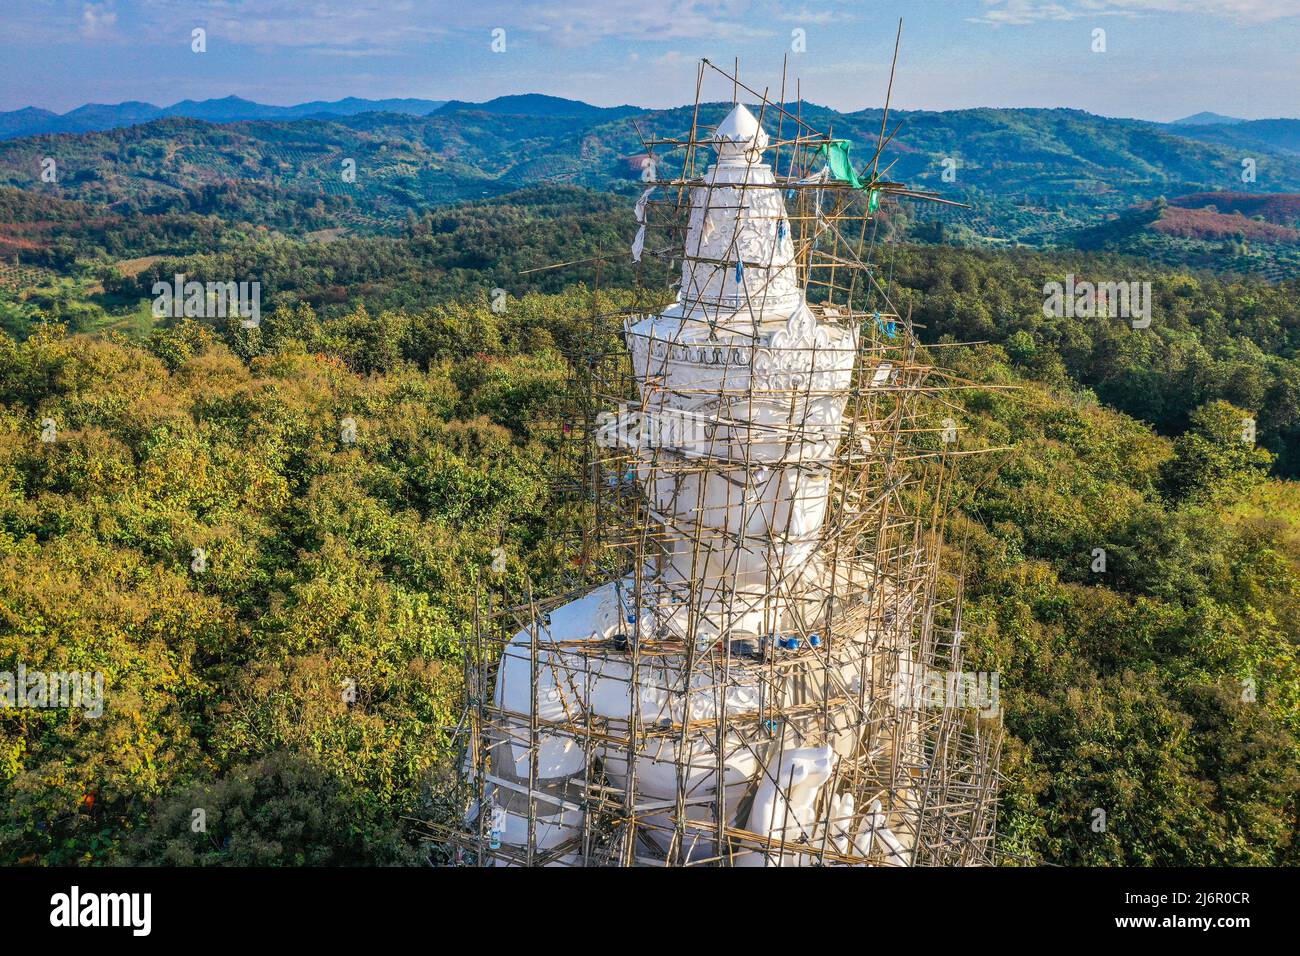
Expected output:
{"points": [[735, 606]]}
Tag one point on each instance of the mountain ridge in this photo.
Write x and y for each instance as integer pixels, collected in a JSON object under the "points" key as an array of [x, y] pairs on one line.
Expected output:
{"points": [[1207, 118], [94, 117], [100, 117], [1031, 176]]}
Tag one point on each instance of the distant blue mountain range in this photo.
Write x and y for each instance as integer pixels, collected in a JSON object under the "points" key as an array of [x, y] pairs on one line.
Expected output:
{"points": [[32, 121], [101, 116], [1249, 137], [1208, 119], [93, 117]]}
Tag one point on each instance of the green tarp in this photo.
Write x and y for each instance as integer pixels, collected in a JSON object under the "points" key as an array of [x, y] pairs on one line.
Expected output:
{"points": [[837, 158]]}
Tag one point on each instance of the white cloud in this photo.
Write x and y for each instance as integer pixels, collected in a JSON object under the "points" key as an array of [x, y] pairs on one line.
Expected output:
{"points": [[97, 20], [672, 58], [357, 26], [1032, 11], [808, 17], [584, 21]]}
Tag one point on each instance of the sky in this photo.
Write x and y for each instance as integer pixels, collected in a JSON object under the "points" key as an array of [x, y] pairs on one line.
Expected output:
{"points": [[1162, 59]]}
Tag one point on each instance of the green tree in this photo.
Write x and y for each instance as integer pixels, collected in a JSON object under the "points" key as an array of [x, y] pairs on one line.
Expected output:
{"points": [[1217, 456]]}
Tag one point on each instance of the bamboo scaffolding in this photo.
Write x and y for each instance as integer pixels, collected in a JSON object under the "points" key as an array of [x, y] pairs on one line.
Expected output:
{"points": [[863, 609]]}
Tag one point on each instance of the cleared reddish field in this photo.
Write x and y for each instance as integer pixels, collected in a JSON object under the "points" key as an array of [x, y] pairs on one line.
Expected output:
{"points": [[1204, 224], [1280, 208], [18, 237]]}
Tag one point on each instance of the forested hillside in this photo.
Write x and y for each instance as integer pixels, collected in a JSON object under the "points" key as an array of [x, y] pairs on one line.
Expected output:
{"points": [[330, 564], [1030, 175], [1211, 338], [227, 109]]}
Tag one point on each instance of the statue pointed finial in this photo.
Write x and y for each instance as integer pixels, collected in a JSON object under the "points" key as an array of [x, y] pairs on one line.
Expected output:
{"points": [[739, 138]]}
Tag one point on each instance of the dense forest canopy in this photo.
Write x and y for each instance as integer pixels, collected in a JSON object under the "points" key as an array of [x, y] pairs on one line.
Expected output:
{"points": [[329, 562]]}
